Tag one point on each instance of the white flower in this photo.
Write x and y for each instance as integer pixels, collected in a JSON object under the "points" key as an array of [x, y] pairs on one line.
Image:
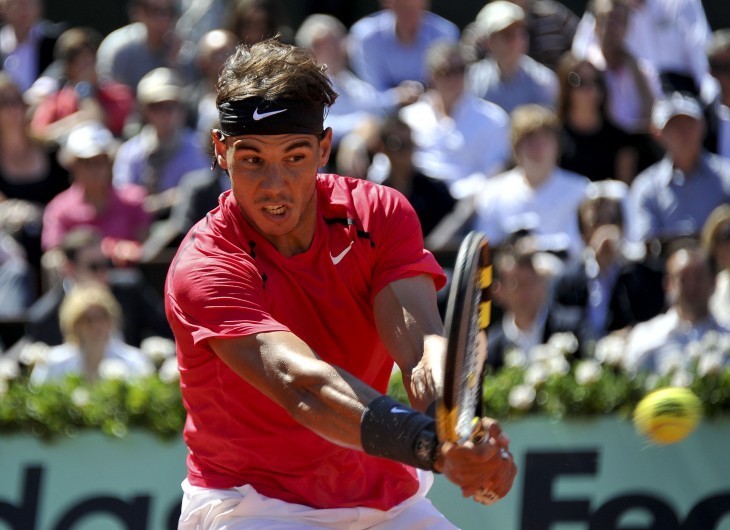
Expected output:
{"points": [[674, 360], [522, 397], [682, 378], [557, 366], [113, 369], [543, 352], [80, 397], [695, 350], [33, 353], [610, 350], [652, 381], [168, 371], [588, 371], [711, 363], [711, 339], [158, 348], [565, 342], [9, 368], [515, 358], [536, 374]]}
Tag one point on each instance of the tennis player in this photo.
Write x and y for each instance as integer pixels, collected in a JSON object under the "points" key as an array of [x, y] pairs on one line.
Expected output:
{"points": [[290, 302]]}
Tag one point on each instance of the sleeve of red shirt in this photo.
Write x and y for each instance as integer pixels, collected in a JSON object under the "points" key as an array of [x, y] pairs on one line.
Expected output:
{"points": [[398, 239], [218, 297]]}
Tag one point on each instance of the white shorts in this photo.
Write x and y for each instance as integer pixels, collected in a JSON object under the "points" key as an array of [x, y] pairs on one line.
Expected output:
{"points": [[245, 508]]}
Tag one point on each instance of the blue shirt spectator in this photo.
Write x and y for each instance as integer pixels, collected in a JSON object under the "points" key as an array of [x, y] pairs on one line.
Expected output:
{"points": [[389, 47], [675, 196], [509, 77]]}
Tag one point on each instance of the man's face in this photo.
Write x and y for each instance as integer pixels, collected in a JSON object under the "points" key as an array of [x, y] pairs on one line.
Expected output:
{"points": [[682, 133], [690, 282], [158, 16], [409, 13], [612, 21], [509, 44], [90, 264], [20, 14], [538, 148], [93, 174], [521, 289], [273, 180]]}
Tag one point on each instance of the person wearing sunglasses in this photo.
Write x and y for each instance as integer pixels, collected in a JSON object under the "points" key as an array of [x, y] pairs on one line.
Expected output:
{"points": [[81, 259]]}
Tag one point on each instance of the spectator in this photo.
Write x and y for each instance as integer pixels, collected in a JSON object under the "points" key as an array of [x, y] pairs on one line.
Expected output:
{"points": [[590, 144], [508, 77], [659, 345], [91, 200], [521, 290], [90, 317], [198, 17], [79, 96], [717, 112], [611, 289], [550, 29], [149, 42], [26, 41], [429, 197], [716, 241], [164, 150], [16, 279], [255, 20], [30, 175], [671, 35], [632, 84], [460, 138], [82, 260], [198, 193], [357, 101], [389, 47], [675, 196], [536, 195], [212, 51]]}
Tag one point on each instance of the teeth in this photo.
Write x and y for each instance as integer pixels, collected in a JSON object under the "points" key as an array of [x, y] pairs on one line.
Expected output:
{"points": [[276, 209]]}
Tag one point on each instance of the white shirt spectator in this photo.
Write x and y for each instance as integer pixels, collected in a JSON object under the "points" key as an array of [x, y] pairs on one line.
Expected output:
{"points": [[67, 359], [672, 35], [473, 140], [507, 203], [660, 345]]}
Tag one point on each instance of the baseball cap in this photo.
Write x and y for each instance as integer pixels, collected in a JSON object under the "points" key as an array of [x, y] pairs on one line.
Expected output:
{"points": [[87, 140], [158, 85], [498, 15], [677, 104]]}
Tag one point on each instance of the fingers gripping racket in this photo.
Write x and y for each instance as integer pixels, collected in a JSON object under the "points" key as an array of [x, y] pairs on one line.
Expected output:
{"points": [[468, 314]]}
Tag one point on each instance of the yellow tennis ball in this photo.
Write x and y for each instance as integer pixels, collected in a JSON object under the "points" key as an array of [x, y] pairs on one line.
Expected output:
{"points": [[668, 415]]}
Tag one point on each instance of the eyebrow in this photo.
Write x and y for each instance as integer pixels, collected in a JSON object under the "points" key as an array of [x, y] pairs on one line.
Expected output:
{"points": [[242, 145]]}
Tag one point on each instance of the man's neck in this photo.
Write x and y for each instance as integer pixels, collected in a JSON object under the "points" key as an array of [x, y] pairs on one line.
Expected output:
{"points": [[508, 68], [687, 164]]}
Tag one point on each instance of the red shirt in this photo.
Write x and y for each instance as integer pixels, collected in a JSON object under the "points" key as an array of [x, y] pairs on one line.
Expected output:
{"points": [[115, 99], [228, 281]]}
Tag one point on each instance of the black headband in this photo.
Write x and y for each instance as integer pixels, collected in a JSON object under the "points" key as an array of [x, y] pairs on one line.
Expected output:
{"points": [[261, 116]]}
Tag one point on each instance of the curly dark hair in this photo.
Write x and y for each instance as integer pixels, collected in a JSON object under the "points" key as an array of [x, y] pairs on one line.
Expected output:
{"points": [[274, 71]]}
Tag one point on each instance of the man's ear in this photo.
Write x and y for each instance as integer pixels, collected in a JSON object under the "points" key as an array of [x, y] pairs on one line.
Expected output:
{"points": [[219, 148], [325, 147]]}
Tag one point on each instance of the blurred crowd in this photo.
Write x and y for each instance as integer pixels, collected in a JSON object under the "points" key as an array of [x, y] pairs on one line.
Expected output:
{"points": [[593, 150]]}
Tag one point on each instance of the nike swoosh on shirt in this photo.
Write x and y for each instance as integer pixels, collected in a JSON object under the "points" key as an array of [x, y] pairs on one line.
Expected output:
{"points": [[338, 258], [261, 115], [397, 410]]}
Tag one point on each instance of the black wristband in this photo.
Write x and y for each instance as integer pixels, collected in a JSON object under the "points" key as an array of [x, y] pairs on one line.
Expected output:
{"points": [[391, 430]]}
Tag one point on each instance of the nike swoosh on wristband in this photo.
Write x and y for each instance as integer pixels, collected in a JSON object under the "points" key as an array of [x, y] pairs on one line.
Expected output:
{"points": [[396, 410], [261, 115], [338, 258]]}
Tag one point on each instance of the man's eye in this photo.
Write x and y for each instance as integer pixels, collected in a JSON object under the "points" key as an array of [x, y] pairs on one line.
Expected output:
{"points": [[252, 160]]}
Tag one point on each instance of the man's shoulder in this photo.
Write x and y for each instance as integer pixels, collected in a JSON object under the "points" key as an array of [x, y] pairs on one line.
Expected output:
{"points": [[132, 34]]}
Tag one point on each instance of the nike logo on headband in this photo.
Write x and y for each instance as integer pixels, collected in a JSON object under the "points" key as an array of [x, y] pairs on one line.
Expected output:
{"points": [[261, 115]]}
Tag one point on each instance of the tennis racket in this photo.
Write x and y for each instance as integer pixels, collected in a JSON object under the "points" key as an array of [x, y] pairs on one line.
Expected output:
{"points": [[467, 316]]}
